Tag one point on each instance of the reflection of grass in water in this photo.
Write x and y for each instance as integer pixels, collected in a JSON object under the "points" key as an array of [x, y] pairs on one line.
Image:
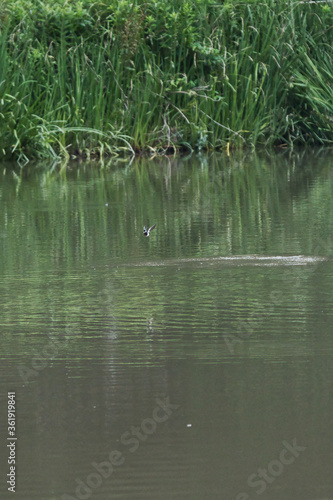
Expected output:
{"points": [[203, 208], [100, 79], [65, 248]]}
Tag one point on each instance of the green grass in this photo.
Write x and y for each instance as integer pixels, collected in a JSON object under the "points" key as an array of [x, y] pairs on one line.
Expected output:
{"points": [[82, 78]]}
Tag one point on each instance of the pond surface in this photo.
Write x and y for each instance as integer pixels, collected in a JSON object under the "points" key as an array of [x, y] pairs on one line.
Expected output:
{"points": [[193, 364]]}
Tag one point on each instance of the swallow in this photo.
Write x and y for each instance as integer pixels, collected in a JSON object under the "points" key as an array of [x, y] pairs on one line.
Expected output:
{"points": [[147, 231]]}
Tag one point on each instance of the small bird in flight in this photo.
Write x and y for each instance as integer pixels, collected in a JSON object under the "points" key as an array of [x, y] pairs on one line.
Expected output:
{"points": [[147, 231]]}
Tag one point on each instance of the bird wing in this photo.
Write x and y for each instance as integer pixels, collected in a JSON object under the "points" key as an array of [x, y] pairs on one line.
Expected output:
{"points": [[152, 227]]}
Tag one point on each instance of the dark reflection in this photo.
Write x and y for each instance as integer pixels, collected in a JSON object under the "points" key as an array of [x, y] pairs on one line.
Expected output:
{"points": [[102, 327], [247, 203]]}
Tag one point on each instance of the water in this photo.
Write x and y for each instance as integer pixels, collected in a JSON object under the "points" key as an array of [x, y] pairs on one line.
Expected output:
{"points": [[193, 364]]}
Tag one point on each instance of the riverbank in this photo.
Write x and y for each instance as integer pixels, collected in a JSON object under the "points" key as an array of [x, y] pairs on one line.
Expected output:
{"points": [[94, 79]]}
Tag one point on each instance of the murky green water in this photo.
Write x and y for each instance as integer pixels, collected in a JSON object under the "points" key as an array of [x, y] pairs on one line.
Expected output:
{"points": [[194, 364]]}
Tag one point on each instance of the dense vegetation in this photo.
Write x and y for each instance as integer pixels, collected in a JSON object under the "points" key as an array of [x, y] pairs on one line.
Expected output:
{"points": [[83, 78]]}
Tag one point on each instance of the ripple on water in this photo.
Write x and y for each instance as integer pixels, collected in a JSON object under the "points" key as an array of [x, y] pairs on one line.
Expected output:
{"points": [[239, 260]]}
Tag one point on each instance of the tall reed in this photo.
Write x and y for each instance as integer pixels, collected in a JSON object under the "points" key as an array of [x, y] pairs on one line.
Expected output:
{"points": [[83, 78]]}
